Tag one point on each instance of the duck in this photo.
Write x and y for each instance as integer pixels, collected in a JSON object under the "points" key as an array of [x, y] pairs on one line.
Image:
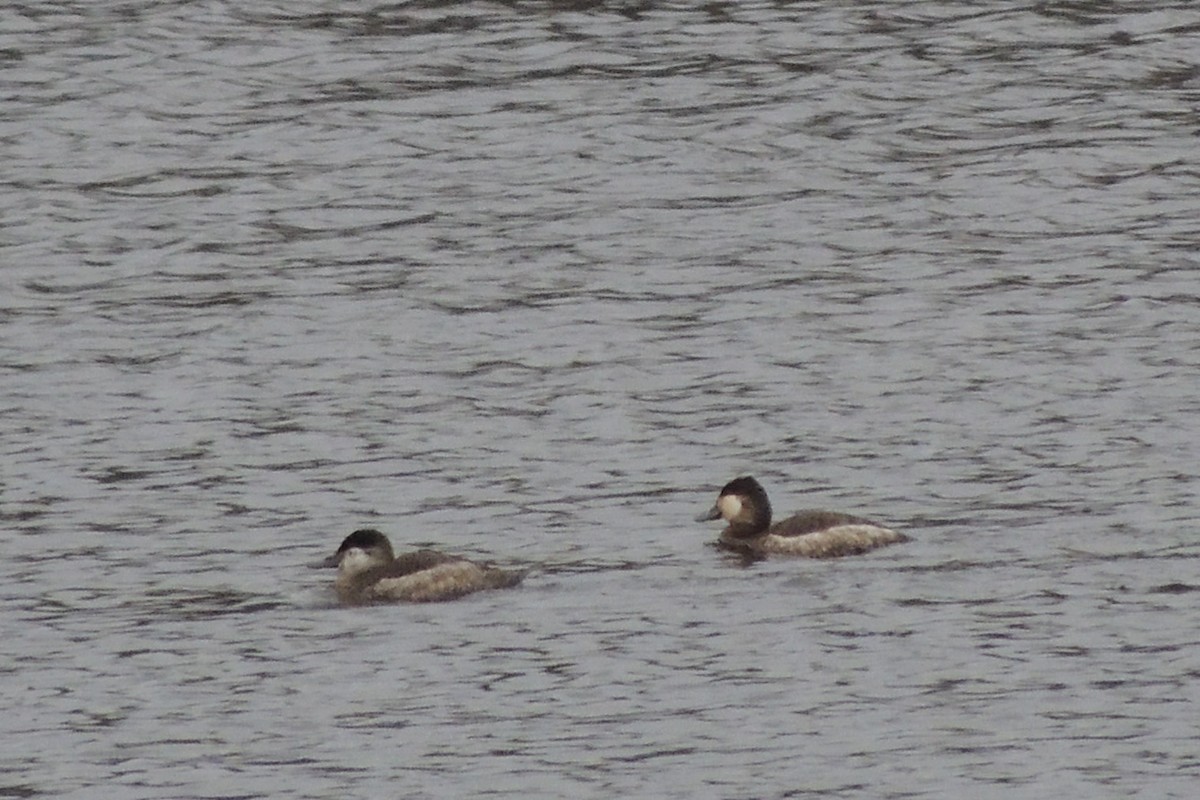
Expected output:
{"points": [[369, 571], [743, 504]]}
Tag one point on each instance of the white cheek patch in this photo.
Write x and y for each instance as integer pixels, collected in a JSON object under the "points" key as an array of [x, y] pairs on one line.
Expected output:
{"points": [[729, 505], [354, 560]]}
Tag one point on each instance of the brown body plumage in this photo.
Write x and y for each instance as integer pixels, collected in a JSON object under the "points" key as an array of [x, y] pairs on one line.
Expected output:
{"points": [[743, 504], [369, 572]]}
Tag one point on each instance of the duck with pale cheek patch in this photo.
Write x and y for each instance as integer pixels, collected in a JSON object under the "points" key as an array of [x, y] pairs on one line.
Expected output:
{"points": [[369, 572], [744, 506]]}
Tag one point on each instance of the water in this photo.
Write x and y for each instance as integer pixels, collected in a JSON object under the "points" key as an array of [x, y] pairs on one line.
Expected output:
{"points": [[529, 282]]}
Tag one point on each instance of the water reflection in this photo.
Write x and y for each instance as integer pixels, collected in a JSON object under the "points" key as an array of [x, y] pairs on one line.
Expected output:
{"points": [[526, 281]]}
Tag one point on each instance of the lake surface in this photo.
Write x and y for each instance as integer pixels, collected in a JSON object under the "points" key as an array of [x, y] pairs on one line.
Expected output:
{"points": [[530, 281]]}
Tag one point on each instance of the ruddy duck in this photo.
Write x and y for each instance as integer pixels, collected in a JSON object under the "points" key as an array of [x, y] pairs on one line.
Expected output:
{"points": [[369, 572], [817, 534]]}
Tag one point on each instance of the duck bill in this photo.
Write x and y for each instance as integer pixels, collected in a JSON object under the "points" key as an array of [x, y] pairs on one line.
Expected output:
{"points": [[325, 563], [711, 514]]}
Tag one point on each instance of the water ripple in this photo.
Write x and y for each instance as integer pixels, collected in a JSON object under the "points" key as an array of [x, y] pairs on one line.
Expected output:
{"points": [[529, 281]]}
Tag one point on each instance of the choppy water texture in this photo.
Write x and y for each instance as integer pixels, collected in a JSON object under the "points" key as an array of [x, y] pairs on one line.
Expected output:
{"points": [[529, 281]]}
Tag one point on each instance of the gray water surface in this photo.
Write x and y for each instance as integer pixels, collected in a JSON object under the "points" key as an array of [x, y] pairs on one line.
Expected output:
{"points": [[529, 281]]}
